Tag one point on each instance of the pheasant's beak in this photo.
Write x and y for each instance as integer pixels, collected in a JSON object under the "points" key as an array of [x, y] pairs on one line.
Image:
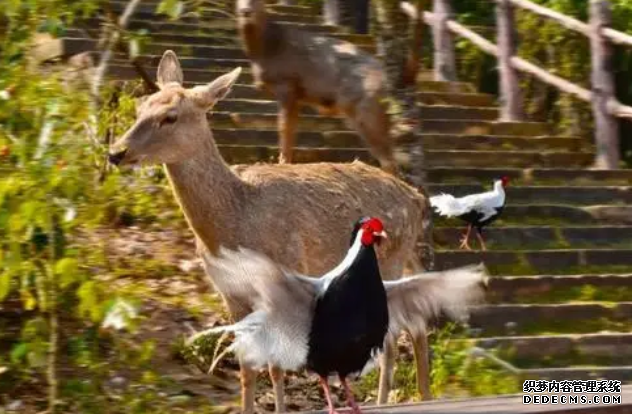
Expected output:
{"points": [[381, 234]]}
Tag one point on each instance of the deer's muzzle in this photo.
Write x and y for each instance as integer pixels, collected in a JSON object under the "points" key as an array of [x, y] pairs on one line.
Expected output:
{"points": [[117, 157]]}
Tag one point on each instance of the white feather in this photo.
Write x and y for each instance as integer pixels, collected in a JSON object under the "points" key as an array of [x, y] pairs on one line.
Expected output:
{"points": [[414, 301]]}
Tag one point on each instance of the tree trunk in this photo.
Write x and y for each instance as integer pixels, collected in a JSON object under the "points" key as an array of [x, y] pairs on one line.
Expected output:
{"points": [[391, 27]]}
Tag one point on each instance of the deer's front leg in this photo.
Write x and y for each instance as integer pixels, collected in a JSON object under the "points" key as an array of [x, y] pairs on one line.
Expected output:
{"points": [[287, 120]]}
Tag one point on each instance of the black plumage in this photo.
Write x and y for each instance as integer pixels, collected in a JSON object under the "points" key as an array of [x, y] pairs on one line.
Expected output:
{"points": [[350, 318]]}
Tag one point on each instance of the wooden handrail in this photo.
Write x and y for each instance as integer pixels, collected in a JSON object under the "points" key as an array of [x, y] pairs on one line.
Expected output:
{"points": [[606, 108], [614, 36]]}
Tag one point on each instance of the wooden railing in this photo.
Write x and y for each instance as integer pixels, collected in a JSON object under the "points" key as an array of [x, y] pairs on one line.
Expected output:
{"points": [[605, 106]]}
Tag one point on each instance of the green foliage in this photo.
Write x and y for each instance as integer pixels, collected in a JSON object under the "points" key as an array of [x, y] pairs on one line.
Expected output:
{"points": [[454, 371], [51, 161]]}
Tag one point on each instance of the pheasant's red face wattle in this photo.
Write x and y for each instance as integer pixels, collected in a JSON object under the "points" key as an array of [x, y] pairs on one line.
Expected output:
{"points": [[372, 232], [505, 181]]}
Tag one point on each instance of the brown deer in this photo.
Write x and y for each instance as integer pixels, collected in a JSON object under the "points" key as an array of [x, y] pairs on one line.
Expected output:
{"points": [[299, 215], [332, 75]]}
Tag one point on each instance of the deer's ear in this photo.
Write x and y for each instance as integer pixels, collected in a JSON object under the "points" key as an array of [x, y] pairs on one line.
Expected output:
{"points": [[207, 95], [169, 69]]}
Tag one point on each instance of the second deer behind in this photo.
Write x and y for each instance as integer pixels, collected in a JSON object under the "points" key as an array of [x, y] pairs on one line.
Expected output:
{"points": [[332, 75]]}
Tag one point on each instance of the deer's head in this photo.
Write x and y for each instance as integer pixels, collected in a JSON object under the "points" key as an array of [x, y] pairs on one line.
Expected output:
{"points": [[249, 11], [171, 124]]}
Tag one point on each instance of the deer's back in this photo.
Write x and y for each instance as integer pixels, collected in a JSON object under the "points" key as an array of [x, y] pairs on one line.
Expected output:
{"points": [[302, 214], [324, 70]]}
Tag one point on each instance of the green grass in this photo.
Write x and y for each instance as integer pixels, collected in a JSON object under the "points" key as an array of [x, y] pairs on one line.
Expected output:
{"points": [[454, 372]]}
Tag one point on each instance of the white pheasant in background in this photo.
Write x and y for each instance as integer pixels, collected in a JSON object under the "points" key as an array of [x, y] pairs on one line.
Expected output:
{"points": [[478, 210]]}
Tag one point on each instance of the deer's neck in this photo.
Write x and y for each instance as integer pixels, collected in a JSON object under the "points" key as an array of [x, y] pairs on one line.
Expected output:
{"points": [[209, 193]]}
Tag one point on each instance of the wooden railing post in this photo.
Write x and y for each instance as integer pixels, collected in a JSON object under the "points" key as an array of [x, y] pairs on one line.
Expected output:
{"points": [[510, 93], [603, 89], [331, 12], [444, 61]]}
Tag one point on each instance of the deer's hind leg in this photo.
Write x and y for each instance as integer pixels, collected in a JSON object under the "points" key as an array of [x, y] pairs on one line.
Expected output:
{"points": [[422, 363], [370, 120], [387, 368], [248, 384], [278, 388], [287, 121]]}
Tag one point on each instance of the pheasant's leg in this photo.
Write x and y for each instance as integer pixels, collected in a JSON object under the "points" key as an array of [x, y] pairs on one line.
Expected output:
{"points": [[276, 375], [350, 399], [330, 404], [479, 235], [466, 238]]}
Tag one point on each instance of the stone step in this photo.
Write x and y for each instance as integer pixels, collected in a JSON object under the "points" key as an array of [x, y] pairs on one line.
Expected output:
{"points": [[539, 237], [464, 127], [426, 111], [560, 350], [270, 4], [488, 127], [566, 176], [149, 11], [561, 261], [218, 40], [521, 319], [558, 215], [459, 99], [219, 27], [244, 154], [560, 288], [458, 112], [460, 158], [350, 139], [78, 45], [545, 194], [292, 9]]}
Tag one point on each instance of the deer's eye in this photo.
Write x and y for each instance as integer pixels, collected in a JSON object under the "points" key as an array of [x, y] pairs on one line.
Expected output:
{"points": [[169, 119]]}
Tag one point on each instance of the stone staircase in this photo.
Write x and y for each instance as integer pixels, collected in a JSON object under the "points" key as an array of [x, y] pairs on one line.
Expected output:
{"points": [[560, 301]]}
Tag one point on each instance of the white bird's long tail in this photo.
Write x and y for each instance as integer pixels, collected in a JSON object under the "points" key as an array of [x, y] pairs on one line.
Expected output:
{"points": [[247, 332], [447, 205], [277, 330]]}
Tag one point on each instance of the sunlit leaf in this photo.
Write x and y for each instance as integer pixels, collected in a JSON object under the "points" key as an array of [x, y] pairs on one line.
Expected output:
{"points": [[120, 314], [88, 294], [5, 285], [67, 271], [172, 8], [134, 48]]}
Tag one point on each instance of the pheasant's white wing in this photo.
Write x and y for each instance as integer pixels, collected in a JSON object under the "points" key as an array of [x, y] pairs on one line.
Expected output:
{"points": [[277, 331], [414, 301]]}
